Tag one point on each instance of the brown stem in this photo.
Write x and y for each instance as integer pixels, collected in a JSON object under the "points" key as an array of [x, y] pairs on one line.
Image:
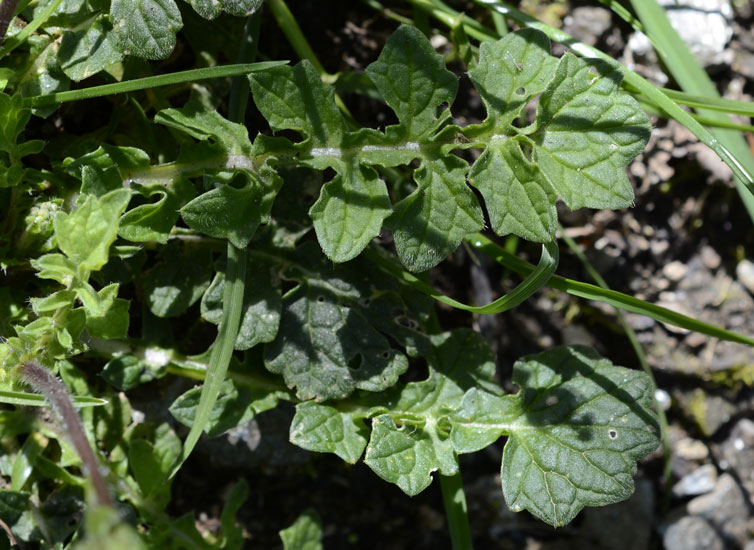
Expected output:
{"points": [[43, 381], [7, 9]]}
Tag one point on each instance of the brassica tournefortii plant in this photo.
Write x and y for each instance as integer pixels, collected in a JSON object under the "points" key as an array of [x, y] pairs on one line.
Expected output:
{"points": [[306, 241]]}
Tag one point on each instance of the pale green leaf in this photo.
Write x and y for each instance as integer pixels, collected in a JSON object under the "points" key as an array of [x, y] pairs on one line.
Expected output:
{"points": [[304, 534], [145, 28], [209, 9], [85, 235], [588, 131], [430, 223], [518, 197], [110, 320], [325, 429], [231, 213], [86, 52], [411, 440], [13, 119]]}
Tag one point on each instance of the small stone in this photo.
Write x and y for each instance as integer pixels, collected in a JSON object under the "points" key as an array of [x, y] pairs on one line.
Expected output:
{"points": [[699, 482], [691, 449], [675, 271], [710, 258], [692, 533], [737, 453], [696, 339], [745, 274], [725, 508]]}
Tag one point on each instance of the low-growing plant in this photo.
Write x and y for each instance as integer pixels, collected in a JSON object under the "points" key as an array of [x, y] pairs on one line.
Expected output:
{"points": [[142, 235]]}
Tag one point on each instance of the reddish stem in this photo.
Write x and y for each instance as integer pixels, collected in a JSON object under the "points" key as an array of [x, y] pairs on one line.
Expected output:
{"points": [[43, 381]]}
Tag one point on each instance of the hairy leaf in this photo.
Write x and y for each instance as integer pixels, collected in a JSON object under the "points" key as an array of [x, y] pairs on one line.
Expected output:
{"points": [[304, 534], [325, 429], [519, 198], [261, 306], [576, 430], [430, 223], [85, 235], [154, 221], [209, 9], [510, 72], [145, 28], [411, 440], [588, 131], [86, 52]]}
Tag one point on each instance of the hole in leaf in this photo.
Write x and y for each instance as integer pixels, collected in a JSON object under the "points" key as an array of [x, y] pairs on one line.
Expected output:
{"points": [[612, 434], [320, 299], [355, 363], [521, 91], [385, 354]]}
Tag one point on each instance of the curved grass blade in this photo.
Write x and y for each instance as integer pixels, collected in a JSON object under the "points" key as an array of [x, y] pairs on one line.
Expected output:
{"points": [[612, 297], [535, 279]]}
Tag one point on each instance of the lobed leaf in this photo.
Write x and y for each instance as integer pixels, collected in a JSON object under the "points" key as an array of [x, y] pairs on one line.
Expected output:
{"points": [[413, 80], [576, 430], [209, 9], [509, 73], [430, 223]]}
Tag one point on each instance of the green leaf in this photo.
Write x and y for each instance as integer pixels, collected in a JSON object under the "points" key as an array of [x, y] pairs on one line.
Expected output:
{"points": [[430, 223], [232, 532], [588, 131], [304, 534], [86, 52], [209, 9], [234, 214], [154, 221], [12, 505], [576, 430], [350, 211], [414, 82], [509, 73], [325, 429], [326, 347], [128, 371], [205, 125], [178, 280], [56, 267], [145, 28], [111, 320], [261, 306], [85, 235], [13, 119], [295, 98], [235, 405], [411, 440], [145, 466], [519, 198], [105, 529]]}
